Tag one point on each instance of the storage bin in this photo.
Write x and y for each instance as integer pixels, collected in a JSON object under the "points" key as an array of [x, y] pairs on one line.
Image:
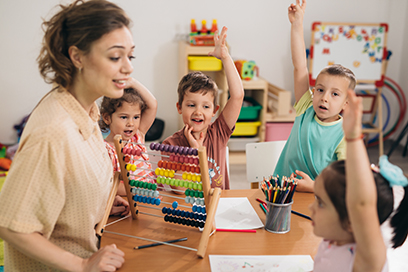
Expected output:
{"points": [[239, 144], [277, 131], [246, 128], [250, 113], [204, 63]]}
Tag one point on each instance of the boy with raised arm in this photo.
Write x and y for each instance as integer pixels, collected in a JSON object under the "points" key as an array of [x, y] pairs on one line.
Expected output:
{"points": [[197, 104], [317, 137]]}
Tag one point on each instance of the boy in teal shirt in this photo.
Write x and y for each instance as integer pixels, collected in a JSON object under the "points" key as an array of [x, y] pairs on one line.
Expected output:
{"points": [[317, 137]]}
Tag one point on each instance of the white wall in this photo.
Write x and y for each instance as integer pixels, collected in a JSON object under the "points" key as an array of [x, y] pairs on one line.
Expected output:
{"points": [[258, 30]]}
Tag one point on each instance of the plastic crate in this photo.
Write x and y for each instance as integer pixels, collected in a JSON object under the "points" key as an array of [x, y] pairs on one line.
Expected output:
{"points": [[204, 63], [250, 113], [278, 131], [246, 128]]}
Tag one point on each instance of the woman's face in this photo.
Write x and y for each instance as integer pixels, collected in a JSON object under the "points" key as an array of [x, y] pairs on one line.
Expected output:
{"points": [[107, 67]]}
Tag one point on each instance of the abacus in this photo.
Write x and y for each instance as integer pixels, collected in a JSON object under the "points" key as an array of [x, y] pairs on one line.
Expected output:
{"points": [[192, 162]]}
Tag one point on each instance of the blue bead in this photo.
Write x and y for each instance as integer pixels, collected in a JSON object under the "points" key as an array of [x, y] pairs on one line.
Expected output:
{"points": [[175, 205]]}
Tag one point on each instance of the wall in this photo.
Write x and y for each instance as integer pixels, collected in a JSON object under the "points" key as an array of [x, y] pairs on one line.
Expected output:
{"points": [[258, 30]]}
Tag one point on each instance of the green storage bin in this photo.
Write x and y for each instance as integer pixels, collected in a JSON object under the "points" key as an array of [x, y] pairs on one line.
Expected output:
{"points": [[250, 113]]}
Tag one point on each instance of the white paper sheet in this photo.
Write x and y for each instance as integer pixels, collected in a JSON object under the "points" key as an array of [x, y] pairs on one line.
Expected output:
{"points": [[236, 213], [264, 263]]}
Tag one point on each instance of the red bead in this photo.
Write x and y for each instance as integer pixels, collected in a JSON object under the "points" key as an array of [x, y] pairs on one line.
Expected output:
{"points": [[183, 167], [126, 158], [138, 152]]}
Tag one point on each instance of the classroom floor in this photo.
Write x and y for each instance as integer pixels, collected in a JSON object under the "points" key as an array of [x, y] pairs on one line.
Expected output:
{"points": [[396, 258]]}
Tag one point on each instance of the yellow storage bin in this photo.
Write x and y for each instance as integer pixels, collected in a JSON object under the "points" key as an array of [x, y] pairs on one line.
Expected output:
{"points": [[246, 128], [204, 63]]}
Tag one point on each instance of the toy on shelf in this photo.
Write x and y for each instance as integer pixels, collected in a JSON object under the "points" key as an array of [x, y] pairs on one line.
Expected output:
{"points": [[203, 37], [247, 69]]}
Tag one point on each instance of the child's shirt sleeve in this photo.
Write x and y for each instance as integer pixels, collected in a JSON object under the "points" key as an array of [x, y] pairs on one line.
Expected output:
{"points": [[341, 150], [304, 103]]}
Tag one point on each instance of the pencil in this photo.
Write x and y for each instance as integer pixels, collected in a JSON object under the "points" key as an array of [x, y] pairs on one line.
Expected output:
{"points": [[260, 200], [158, 244], [237, 230], [301, 215], [262, 207]]}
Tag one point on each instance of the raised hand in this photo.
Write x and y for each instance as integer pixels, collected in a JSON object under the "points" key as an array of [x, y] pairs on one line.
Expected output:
{"points": [[352, 116], [296, 11], [221, 49]]}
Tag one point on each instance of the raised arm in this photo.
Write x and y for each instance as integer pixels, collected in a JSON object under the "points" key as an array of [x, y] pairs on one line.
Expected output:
{"points": [[298, 49], [361, 193], [149, 114], [233, 107]]}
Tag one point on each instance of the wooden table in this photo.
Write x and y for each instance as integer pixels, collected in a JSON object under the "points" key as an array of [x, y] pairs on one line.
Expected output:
{"points": [[300, 240]]}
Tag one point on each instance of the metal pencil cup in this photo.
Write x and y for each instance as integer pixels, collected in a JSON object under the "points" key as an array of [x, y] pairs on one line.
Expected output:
{"points": [[278, 217]]}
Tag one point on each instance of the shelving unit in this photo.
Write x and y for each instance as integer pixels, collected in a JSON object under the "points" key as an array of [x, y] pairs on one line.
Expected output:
{"points": [[259, 89]]}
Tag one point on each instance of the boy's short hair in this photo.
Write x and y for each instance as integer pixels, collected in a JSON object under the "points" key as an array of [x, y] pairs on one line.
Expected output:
{"points": [[339, 70], [197, 82]]}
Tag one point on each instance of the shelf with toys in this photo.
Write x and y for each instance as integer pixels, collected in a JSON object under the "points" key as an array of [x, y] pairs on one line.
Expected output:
{"points": [[264, 103]]}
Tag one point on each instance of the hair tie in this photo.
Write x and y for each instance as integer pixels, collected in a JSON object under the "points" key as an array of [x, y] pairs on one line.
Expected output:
{"points": [[392, 173]]}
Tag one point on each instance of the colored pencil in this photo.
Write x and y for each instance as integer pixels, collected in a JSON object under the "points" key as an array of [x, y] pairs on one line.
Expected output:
{"points": [[263, 207], [237, 230], [159, 244], [301, 215], [260, 200]]}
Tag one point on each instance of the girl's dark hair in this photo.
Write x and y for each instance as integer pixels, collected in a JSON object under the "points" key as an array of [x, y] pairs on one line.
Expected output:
{"points": [[78, 24], [110, 105], [334, 179]]}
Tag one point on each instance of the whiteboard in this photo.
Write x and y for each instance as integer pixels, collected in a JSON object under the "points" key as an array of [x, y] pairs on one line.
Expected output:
{"points": [[359, 47]]}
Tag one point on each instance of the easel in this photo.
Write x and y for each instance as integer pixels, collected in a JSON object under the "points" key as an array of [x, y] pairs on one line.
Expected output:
{"points": [[211, 196], [360, 47]]}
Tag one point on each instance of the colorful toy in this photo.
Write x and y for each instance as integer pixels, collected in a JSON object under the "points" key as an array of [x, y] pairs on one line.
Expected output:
{"points": [[200, 198], [203, 37], [247, 69]]}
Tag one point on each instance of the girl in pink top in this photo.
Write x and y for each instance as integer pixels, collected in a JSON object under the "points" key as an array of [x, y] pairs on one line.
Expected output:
{"points": [[124, 116], [352, 201]]}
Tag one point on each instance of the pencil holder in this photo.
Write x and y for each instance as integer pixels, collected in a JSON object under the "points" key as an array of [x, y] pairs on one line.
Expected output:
{"points": [[278, 217]]}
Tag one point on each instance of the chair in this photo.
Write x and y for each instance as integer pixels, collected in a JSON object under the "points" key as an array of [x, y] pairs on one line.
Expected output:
{"points": [[261, 159]]}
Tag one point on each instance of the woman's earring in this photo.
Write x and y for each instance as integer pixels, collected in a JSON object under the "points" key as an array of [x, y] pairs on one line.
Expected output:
{"points": [[80, 69]]}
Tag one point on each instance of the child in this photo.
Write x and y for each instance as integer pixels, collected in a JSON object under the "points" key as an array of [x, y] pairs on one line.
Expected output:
{"points": [[197, 104], [316, 138], [352, 201], [124, 116]]}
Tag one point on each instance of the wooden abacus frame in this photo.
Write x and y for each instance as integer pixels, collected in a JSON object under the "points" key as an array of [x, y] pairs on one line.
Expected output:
{"points": [[211, 196]]}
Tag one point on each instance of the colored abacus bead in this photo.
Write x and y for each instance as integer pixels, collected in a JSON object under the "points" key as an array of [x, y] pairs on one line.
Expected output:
{"points": [[174, 205], [180, 150]]}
